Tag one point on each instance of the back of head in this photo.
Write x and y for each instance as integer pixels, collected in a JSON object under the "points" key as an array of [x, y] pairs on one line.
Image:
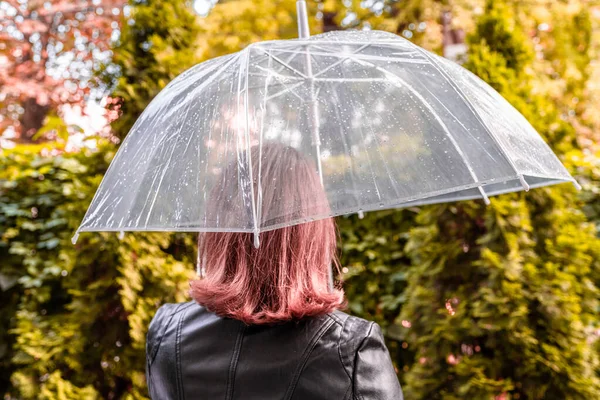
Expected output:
{"points": [[287, 277]]}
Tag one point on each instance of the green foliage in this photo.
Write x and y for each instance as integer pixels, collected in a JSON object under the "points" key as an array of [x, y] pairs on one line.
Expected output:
{"points": [[233, 25], [496, 28], [158, 41], [588, 172], [374, 262], [78, 314], [566, 49], [503, 299], [400, 17], [54, 125], [375, 269]]}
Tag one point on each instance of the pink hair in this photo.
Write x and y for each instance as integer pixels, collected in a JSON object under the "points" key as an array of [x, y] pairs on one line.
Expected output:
{"points": [[287, 277]]}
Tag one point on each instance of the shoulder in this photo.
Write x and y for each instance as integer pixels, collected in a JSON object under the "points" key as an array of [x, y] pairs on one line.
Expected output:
{"points": [[160, 322], [354, 331], [366, 359], [353, 328], [165, 313]]}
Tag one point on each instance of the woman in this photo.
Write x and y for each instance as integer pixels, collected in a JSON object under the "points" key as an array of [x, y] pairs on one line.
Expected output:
{"points": [[265, 322]]}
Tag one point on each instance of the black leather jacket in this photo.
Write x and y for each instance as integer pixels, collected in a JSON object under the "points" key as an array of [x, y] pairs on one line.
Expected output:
{"points": [[194, 354]]}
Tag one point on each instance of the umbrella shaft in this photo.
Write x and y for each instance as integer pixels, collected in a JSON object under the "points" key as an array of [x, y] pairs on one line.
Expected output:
{"points": [[303, 29], [303, 33]]}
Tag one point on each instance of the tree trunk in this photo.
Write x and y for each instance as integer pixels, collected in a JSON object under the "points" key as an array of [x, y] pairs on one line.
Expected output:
{"points": [[329, 22], [32, 119]]}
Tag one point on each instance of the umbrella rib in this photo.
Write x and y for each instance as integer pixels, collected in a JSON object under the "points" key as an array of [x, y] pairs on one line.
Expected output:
{"points": [[287, 89], [314, 115], [458, 121], [248, 149], [463, 97], [392, 42], [406, 52], [271, 73], [301, 80], [287, 62], [438, 119], [280, 61], [363, 56], [260, 144], [338, 62], [344, 80]]}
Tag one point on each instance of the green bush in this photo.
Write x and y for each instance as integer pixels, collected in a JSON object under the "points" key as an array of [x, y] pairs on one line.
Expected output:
{"points": [[78, 314]]}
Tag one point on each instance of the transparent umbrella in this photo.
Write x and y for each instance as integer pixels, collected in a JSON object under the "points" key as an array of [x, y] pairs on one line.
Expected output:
{"points": [[385, 124]]}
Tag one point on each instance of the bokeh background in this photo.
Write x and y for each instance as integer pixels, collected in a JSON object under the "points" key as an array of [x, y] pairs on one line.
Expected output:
{"points": [[476, 302]]}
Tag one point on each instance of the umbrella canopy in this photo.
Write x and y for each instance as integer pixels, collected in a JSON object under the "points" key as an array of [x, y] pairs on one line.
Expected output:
{"points": [[385, 124]]}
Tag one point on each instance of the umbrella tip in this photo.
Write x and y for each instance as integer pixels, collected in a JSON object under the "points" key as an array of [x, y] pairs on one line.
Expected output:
{"points": [[484, 196], [361, 215], [577, 185], [524, 183], [256, 240], [121, 235], [75, 238]]}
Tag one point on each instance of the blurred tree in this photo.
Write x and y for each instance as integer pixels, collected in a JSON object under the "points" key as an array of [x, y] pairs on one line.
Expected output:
{"points": [[562, 37], [233, 25], [416, 20], [160, 39], [48, 51], [502, 300]]}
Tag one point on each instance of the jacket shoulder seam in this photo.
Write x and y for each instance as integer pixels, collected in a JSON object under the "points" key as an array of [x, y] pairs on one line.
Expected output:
{"points": [[161, 330], [347, 350], [182, 307], [371, 325], [348, 394], [342, 362], [336, 319], [340, 343]]}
